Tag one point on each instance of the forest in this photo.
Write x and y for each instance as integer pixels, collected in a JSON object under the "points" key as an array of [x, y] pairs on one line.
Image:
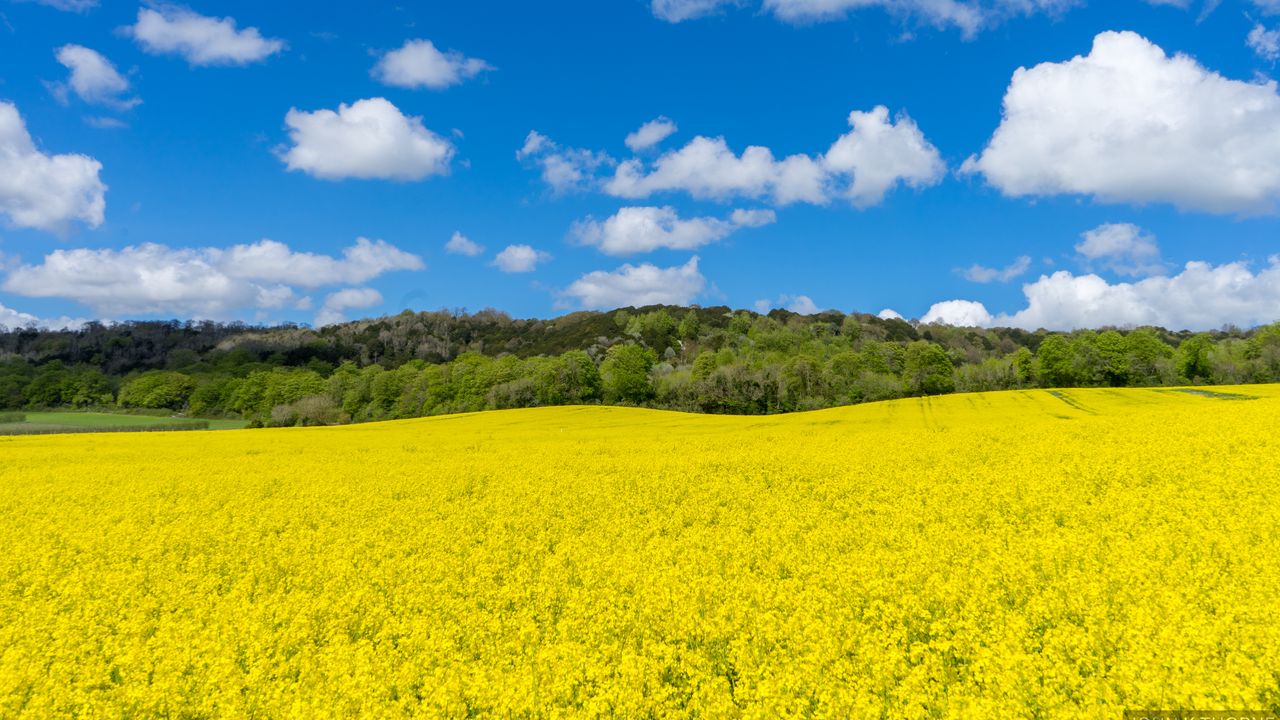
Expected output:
{"points": [[700, 359]]}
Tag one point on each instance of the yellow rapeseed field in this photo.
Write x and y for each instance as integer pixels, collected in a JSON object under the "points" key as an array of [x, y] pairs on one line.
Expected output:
{"points": [[1006, 555]]}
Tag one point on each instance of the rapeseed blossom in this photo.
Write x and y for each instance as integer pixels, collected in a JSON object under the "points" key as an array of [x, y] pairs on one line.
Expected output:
{"points": [[1023, 554]]}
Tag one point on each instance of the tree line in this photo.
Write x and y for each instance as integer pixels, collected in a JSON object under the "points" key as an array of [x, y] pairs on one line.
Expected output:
{"points": [[714, 360]]}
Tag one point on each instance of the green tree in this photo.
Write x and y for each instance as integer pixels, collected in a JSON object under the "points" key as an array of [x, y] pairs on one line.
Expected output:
{"points": [[157, 389], [1024, 365], [704, 365], [625, 373], [1148, 357], [851, 329], [1113, 353], [47, 385], [927, 370], [572, 379], [1193, 358], [1054, 362], [690, 326]]}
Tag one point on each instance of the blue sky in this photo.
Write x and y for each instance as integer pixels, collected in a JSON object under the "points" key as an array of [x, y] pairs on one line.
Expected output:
{"points": [[222, 159]]}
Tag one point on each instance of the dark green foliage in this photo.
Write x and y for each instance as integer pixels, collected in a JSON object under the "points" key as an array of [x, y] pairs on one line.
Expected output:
{"points": [[926, 370], [1193, 358], [157, 389], [625, 373], [696, 359]]}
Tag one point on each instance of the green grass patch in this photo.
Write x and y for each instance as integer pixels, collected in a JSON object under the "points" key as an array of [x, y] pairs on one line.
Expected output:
{"points": [[39, 423]]}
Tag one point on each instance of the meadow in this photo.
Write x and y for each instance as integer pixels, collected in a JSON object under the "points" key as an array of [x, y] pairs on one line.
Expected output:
{"points": [[75, 421], [1054, 554]]}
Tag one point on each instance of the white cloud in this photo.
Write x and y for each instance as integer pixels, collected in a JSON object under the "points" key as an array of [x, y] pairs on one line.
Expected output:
{"points": [[889, 314], [519, 259], [368, 139], [76, 6], [798, 304], [1201, 297], [1264, 42], [93, 78], [802, 305], [1128, 124], [418, 64], [335, 305], [969, 16], [675, 11], [42, 191], [1208, 6], [644, 229], [980, 274], [1122, 248], [12, 319], [706, 168], [271, 261], [563, 169], [201, 282], [171, 29], [638, 285], [880, 153], [460, 244], [650, 134], [103, 122], [961, 313], [862, 165]]}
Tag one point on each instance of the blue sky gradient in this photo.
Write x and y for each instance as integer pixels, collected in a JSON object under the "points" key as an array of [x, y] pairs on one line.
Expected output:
{"points": [[198, 163]]}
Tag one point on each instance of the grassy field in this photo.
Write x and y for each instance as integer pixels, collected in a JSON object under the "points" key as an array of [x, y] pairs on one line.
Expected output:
{"points": [[69, 421], [1046, 554]]}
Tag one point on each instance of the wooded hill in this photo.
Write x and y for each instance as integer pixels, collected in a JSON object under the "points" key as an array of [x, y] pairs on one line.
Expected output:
{"points": [[710, 359]]}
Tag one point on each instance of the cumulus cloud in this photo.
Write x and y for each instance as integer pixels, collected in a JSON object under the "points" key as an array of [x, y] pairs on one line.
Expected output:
{"points": [[961, 313], [335, 305], [46, 192], [1264, 42], [707, 169], [202, 282], [877, 154], [11, 319], [93, 79], [1121, 248], [650, 134], [981, 274], [889, 314], [460, 244], [176, 30], [271, 261], [519, 259], [368, 139], [638, 285], [562, 169], [1201, 297], [418, 64], [880, 153], [644, 229], [1129, 124], [798, 304]]}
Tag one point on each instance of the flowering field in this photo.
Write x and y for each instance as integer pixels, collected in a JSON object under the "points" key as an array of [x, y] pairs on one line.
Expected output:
{"points": [[1026, 554]]}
